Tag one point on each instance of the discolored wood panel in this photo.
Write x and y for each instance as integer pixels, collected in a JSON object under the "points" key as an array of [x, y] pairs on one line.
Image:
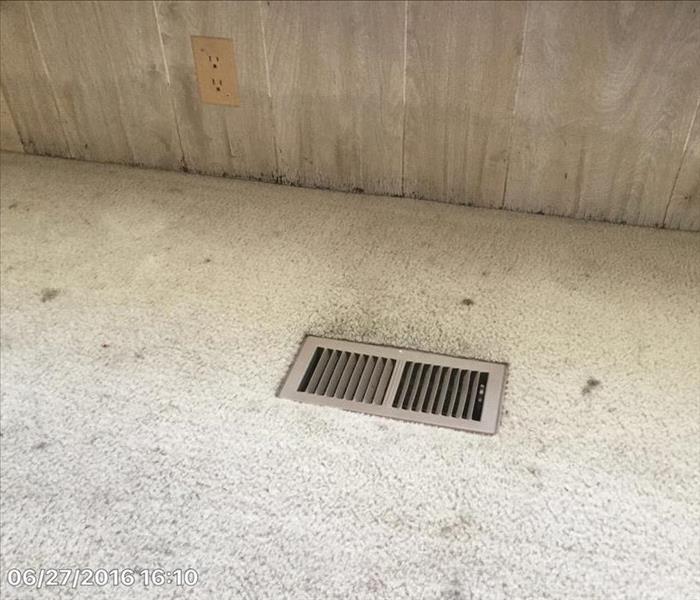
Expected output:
{"points": [[220, 140], [26, 86], [684, 206], [108, 74], [607, 95], [9, 138], [461, 76], [577, 109], [336, 74]]}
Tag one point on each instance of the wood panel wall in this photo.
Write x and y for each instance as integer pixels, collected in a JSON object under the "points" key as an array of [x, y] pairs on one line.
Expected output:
{"points": [[580, 109]]}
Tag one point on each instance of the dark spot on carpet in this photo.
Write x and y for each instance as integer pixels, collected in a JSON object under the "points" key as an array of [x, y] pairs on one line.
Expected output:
{"points": [[454, 591], [13, 205], [358, 190], [48, 294], [374, 585], [459, 524], [105, 345], [138, 355], [533, 471], [484, 273], [591, 384], [40, 446], [467, 302], [206, 260]]}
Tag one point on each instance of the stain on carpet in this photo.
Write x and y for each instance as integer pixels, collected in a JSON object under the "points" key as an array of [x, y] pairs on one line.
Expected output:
{"points": [[591, 384], [48, 294], [459, 526]]}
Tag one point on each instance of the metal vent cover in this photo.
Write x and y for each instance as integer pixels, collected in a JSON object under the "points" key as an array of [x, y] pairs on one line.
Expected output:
{"points": [[402, 384]]}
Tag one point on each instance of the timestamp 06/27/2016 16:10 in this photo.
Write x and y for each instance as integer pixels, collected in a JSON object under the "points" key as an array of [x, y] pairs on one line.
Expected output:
{"points": [[78, 577]]}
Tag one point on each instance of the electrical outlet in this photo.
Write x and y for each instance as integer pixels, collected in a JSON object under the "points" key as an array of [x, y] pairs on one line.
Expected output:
{"points": [[216, 70]]}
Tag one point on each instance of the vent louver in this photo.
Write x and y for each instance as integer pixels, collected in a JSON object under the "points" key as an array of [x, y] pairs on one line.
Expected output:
{"points": [[403, 384], [347, 375]]}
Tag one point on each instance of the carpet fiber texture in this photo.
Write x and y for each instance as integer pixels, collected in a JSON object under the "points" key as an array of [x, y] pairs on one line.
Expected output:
{"points": [[149, 317]]}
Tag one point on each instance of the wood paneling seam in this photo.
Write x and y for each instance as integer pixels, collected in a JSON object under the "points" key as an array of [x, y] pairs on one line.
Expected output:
{"points": [[171, 100], [515, 104], [54, 97], [12, 117], [129, 145], [261, 17], [405, 74], [680, 165]]}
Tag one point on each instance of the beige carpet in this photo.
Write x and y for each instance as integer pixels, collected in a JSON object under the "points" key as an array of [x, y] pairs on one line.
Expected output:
{"points": [[148, 318]]}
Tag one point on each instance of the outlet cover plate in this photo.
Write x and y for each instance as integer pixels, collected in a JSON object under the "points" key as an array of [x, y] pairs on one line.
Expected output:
{"points": [[216, 70]]}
